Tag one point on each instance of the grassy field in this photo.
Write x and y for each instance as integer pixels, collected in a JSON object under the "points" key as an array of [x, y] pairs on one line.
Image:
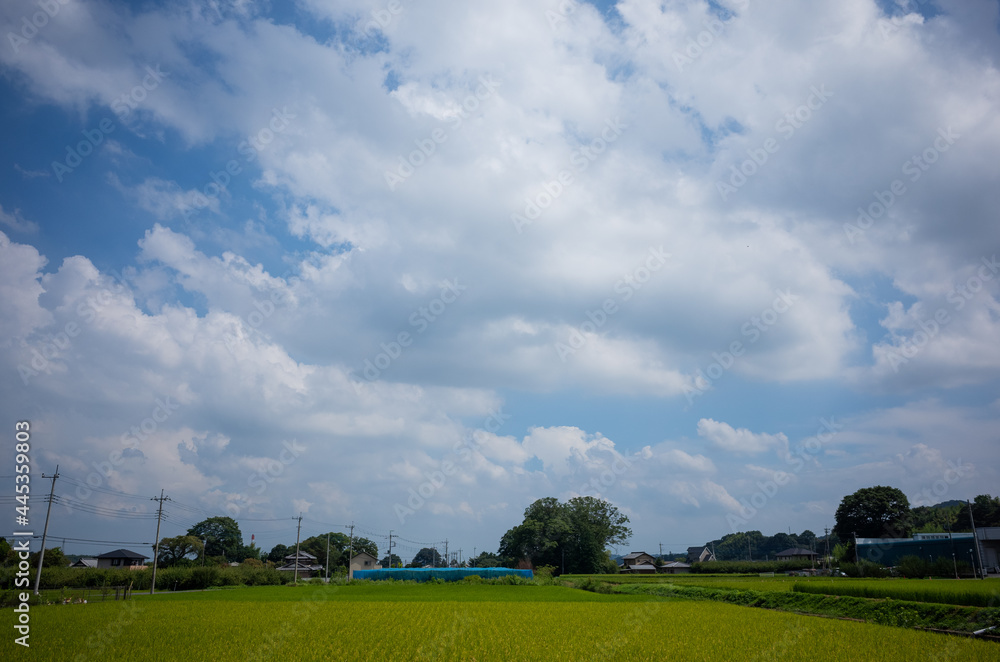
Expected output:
{"points": [[970, 592], [457, 622]]}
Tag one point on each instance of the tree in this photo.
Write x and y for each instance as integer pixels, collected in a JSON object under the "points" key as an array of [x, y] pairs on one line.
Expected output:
{"points": [[985, 510], [873, 512], [54, 558], [539, 537], [485, 560], [427, 556], [278, 554], [571, 535], [222, 536], [396, 562], [174, 550], [595, 524]]}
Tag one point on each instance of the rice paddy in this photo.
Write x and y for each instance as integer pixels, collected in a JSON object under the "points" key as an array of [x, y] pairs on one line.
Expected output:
{"points": [[968, 592], [458, 622]]}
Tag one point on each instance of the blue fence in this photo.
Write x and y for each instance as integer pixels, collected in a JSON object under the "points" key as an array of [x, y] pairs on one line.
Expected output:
{"points": [[447, 574]]}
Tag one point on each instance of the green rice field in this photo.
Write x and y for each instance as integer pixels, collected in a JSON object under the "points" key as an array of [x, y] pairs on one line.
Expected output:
{"points": [[457, 622], [968, 592]]}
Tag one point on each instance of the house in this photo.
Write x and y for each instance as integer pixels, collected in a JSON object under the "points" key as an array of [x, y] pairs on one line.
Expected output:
{"points": [[364, 561], [639, 562], [675, 568], [121, 558], [305, 563], [797, 554], [85, 563], [700, 554]]}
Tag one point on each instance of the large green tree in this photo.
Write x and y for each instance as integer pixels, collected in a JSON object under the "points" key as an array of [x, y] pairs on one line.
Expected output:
{"points": [[427, 556], [570, 535], [174, 550], [221, 535], [873, 512], [278, 553]]}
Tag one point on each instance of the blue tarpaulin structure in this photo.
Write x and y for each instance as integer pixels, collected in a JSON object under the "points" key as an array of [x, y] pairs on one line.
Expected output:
{"points": [[447, 574]]}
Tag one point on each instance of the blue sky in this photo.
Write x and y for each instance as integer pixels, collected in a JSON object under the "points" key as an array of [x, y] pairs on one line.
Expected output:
{"points": [[610, 249]]}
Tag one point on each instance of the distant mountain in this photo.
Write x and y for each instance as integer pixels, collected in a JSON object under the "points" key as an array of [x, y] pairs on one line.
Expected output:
{"points": [[949, 504]]}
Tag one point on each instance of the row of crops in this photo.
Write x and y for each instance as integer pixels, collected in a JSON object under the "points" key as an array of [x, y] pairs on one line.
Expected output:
{"points": [[968, 592]]}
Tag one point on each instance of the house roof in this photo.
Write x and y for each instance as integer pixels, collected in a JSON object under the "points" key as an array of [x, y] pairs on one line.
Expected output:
{"points": [[85, 563], [676, 564], [797, 551], [361, 554], [642, 566], [302, 555], [635, 555], [121, 554]]}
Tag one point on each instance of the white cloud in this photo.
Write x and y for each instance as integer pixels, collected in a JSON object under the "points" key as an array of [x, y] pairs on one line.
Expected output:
{"points": [[742, 440]]}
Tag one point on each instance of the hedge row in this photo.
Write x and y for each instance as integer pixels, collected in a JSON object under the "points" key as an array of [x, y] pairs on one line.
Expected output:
{"points": [[748, 567], [167, 579]]}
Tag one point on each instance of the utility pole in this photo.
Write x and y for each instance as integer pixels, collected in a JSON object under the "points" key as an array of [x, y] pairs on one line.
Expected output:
{"points": [[156, 549], [857, 562], [389, 557], [350, 553], [826, 557], [447, 562], [460, 562], [45, 531], [328, 557], [749, 553], [298, 530], [661, 552], [975, 538]]}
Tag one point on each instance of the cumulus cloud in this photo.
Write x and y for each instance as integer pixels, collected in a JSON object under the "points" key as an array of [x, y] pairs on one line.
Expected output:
{"points": [[725, 437]]}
